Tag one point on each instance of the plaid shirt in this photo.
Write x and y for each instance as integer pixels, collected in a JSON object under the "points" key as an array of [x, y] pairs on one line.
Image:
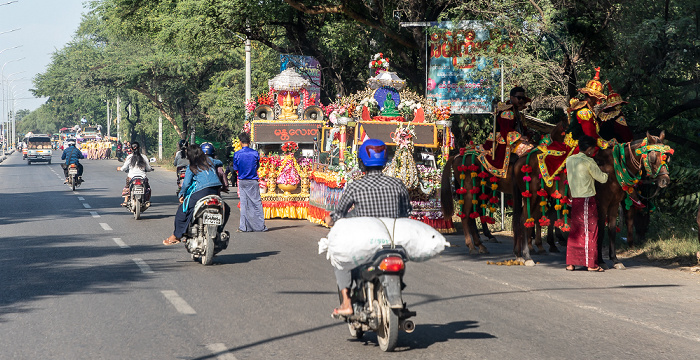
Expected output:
{"points": [[375, 195]]}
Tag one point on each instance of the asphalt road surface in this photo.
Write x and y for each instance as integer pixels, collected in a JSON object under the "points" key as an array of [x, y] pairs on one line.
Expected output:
{"points": [[81, 279]]}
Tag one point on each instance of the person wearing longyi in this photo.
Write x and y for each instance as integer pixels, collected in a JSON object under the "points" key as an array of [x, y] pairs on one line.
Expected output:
{"points": [[582, 171]]}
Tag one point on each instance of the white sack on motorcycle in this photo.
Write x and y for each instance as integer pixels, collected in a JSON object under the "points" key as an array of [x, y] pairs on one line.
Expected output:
{"points": [[352, 241]]}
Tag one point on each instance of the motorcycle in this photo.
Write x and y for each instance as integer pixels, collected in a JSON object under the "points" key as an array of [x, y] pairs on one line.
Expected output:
{"points": [[181, 170], [204, 236], [137, 196], [73, 179], [376, 298]]}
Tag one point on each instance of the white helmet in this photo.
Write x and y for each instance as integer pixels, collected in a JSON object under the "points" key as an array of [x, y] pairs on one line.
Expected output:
{"points": [[71, 143]]}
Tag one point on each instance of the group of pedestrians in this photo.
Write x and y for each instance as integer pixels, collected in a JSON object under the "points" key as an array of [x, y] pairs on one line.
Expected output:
{"points": [[97, 149]]}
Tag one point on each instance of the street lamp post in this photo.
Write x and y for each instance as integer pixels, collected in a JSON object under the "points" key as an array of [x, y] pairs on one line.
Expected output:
{"points": [[2, 84]]}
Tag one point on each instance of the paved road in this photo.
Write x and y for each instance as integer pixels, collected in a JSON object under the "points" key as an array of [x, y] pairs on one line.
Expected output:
{"points": [[81, 279]]}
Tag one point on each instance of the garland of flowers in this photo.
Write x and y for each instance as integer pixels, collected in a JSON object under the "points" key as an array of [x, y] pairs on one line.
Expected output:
{"points": [[627, 181], [487, 202], [332, 180], [527, 169]]}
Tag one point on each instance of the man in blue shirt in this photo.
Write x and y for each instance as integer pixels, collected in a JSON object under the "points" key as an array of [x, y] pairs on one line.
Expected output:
{"points": [[72, 155], [246, 162]]}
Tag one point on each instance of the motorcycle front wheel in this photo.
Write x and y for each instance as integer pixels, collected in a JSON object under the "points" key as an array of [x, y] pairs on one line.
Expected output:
{"points": [[210, 234], [388, 331]]}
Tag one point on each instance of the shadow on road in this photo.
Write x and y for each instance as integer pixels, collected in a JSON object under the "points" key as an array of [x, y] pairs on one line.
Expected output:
{"points": [[38, 267], [242, 258], [426, 335]]}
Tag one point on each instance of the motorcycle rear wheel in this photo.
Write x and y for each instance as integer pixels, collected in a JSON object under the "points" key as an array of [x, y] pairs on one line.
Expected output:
{"points": [[388, 331], [137, 208], [210, 234], [72, 183]]}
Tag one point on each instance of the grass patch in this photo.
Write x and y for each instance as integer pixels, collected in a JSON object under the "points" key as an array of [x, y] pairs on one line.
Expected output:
{"points": [[671, 239]]}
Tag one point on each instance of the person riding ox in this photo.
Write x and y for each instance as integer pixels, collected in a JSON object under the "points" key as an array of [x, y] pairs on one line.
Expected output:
{"points": [[511, 138]]}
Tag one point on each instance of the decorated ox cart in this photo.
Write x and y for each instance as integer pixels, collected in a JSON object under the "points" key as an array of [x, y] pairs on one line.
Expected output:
{"points": [[416, 132], [286, 123]]}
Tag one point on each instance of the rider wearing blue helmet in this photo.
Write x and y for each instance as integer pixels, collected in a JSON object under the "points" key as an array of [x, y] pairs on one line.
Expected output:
{"points": [[208, 149], [374, 195]]}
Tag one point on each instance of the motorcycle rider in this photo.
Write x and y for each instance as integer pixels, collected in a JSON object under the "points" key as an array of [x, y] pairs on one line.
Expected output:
{"points": [[181, 155], [374, 195], [201, 180], [72, 155], [136, 164], [208, 150]]}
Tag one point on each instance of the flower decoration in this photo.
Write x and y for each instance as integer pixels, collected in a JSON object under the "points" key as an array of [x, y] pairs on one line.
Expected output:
{"points": [[290, 147], [250, 105], [379, 63], [263, 99]]}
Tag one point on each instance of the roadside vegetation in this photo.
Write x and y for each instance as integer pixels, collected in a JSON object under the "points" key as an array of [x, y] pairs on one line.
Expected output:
{"points": [[184, 61]]}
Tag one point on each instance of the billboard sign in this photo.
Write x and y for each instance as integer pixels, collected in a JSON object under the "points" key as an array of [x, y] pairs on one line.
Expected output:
{"points": [[455, 73], [306, 66]]}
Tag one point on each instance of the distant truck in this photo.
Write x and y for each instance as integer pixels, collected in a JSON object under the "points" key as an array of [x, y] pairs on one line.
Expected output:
{"points": [[39, 148]]}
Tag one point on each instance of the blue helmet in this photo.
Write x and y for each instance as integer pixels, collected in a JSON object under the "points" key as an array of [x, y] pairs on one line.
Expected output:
{"points": [[373, 152], [207, 148]]}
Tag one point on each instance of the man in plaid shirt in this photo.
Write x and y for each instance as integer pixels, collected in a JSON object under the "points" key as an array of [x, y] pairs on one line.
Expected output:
{"points": [[375, 195]]}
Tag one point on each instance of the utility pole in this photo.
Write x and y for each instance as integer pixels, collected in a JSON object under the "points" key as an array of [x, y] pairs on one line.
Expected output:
{"points": [[160, 132], [247, 69], [119, 117], [108, 118]]}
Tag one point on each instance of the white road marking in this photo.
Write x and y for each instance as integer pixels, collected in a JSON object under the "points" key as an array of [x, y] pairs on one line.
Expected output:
{"points": [[220, 351], [94, 214], [81, 198], [179, 303], [105, 226], [143, 266], [87, 206], [121, 243]]}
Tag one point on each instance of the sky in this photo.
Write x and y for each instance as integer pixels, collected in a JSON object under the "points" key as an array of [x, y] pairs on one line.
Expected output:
{"points": [[44, 27]]}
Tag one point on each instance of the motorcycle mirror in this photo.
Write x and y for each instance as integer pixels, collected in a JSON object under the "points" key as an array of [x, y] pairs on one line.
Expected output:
{"points": [[152, 160]]}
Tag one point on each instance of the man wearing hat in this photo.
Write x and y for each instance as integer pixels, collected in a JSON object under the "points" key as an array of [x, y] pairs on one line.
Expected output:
{"points": [[584, 120], [512, 138], [612, 122]]}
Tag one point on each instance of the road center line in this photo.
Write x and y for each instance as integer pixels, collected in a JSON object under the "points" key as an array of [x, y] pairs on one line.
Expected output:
{"points": [[220, 351], [94, 214], [105, 226], [143, 266], [87, 206], [121, 243], [81, 198], [179, 303]]}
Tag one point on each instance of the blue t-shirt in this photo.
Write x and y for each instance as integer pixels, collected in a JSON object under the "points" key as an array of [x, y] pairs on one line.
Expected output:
{"points": [[246, 162]]}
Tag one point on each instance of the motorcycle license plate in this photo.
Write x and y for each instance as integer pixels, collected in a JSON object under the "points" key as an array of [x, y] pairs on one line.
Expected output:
{"points": [[138, 191], [213, 219], [72, 171]]}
